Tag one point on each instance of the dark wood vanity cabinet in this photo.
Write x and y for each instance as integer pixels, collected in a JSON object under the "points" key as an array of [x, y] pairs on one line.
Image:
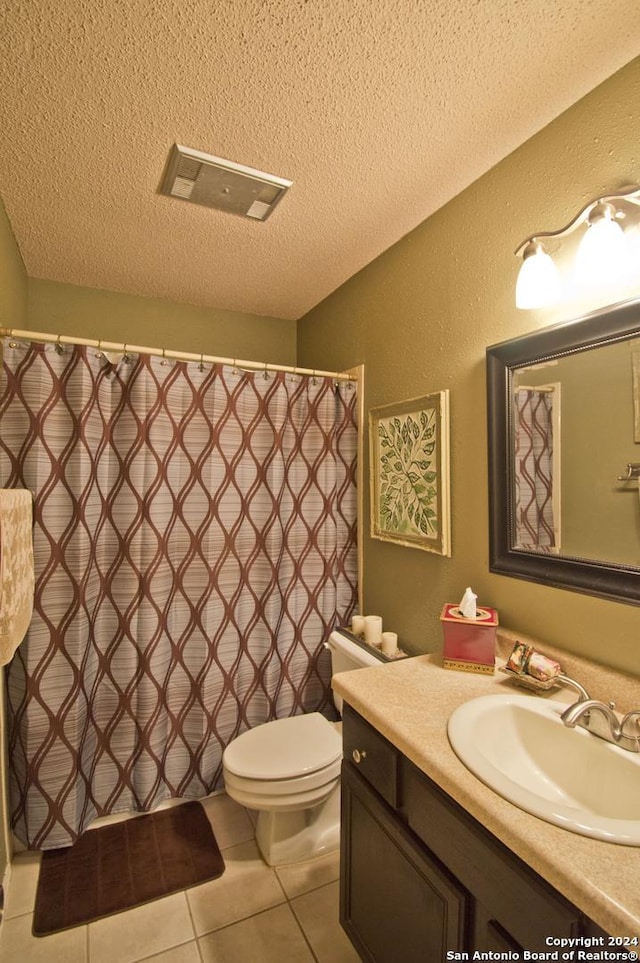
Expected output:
{"points": [[420, 877], [397, 903]]}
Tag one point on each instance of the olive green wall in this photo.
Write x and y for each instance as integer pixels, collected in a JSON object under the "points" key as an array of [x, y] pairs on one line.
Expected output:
{"points": [[13, 278], [600, 517], [154, 322], [420, 318]]}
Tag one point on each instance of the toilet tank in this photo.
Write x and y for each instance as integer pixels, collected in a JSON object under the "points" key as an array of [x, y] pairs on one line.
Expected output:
{"points": [[347, 654]]}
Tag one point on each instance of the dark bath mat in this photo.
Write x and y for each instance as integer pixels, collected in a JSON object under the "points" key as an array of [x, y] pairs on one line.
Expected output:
{"points": [[123, 865]]}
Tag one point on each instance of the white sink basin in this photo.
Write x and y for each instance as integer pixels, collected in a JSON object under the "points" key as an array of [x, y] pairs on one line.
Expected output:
{"points": [[518, 746]]}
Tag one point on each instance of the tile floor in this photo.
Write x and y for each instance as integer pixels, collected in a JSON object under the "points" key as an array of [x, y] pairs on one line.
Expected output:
{"points": [[251, 914]]}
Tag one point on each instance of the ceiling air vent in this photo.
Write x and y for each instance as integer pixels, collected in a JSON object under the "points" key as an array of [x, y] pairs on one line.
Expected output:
{"points": [[214, 182]]}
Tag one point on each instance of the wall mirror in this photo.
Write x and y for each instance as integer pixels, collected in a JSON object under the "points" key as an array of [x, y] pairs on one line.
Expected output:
{"points": [[564, 454]]}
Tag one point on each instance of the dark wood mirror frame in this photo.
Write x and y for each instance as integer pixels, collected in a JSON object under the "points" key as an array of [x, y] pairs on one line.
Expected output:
{"points": [[609, 580]]}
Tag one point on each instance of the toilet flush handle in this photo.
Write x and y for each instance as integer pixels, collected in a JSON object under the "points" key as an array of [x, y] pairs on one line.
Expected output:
{"points": [[358, 756]]}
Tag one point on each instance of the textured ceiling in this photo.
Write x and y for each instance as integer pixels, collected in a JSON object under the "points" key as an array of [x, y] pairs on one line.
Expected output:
{"points": [[379, 110]]}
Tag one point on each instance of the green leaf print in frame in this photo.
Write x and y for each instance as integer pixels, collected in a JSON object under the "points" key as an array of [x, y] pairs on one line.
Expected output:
{"points": [[409, 449]]}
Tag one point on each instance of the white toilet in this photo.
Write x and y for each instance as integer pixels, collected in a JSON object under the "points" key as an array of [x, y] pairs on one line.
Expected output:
{"points": [[289, 771]]}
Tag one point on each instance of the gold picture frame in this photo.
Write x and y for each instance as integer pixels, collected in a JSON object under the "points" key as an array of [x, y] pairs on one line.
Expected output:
{"points": [[409, 467]]}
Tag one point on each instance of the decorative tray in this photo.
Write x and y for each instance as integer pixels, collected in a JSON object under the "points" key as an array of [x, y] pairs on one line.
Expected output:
{"points": [[528, 682], [360, 639]]}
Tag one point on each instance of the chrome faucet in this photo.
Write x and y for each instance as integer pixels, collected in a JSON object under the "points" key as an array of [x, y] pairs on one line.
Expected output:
{"points": [[573, 684], [600, 719]]}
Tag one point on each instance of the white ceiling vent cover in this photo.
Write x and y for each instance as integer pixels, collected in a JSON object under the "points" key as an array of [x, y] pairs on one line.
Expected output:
{"points": [[214, 182]]}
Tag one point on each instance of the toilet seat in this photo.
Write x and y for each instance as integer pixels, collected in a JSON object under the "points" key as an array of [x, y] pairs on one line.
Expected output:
{"points": [[282, 795], [296, 750]]}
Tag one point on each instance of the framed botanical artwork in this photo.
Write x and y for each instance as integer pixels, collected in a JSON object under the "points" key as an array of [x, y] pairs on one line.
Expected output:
{"points": [[409, 455]]}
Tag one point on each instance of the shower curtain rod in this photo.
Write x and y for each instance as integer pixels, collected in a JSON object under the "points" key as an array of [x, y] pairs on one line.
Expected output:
{"points": [[168, 353]]}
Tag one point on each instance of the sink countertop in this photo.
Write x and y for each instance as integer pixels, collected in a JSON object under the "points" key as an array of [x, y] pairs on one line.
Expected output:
{"points": [[410, 701]]}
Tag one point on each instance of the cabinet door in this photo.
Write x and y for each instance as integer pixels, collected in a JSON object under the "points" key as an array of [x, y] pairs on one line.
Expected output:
{"points": [[489, 935], [525, 907], [396, 903]]}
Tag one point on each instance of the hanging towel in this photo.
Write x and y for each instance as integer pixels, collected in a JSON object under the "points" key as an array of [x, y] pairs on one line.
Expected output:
{"points": [[17, 578]]}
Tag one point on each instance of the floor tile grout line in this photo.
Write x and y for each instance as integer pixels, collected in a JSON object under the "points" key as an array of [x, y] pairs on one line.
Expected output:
{"points": [[304, 935], [280, 884], [252, 916], [229, 925], [288, 901], [193, 923], [241, 919], [16, 916], [170, 949]]}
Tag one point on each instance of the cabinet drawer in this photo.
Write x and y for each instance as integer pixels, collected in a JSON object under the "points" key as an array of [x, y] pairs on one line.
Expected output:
{"points": [[376, 759], [515, 896]]}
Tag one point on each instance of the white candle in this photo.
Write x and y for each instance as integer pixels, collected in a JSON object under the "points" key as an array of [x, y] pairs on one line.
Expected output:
{"points": [[389, 643], [357, 624], [373, 630]]}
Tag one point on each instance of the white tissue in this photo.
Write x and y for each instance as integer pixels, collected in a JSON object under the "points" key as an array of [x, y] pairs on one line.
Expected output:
{"points": [[467, 605]]}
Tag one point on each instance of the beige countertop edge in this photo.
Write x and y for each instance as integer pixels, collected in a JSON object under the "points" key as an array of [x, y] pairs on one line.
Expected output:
{"points": [[410, 701]]}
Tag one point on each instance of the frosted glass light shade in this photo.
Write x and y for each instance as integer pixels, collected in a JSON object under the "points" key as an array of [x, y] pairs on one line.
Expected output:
{"points": [[538, 281], [603, 255]]}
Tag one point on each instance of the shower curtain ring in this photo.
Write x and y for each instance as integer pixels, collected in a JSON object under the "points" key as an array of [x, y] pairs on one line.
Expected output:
{"points": [[164, 361], [266, 372], [58, 345], [201, 365], [234, 370], [125, 355], [99, 351]]}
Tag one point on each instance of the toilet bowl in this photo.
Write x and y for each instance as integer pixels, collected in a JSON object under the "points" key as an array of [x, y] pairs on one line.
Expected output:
{"points": [[288, 771]]}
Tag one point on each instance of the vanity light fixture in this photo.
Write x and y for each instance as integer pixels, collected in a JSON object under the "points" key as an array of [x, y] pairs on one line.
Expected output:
{"points": [[603, 254], [538, 281]]}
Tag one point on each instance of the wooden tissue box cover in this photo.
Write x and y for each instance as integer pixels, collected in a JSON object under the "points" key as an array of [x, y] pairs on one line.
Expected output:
{"points": [[469, 644]]}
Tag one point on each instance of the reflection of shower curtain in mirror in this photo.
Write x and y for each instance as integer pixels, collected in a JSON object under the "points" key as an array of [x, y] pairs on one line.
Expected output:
{"points": [[534, 469], [195, 541]]}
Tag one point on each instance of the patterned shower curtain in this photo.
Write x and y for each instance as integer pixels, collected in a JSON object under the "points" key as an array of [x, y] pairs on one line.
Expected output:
{"points": [[195, 543], [534, 470]]}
